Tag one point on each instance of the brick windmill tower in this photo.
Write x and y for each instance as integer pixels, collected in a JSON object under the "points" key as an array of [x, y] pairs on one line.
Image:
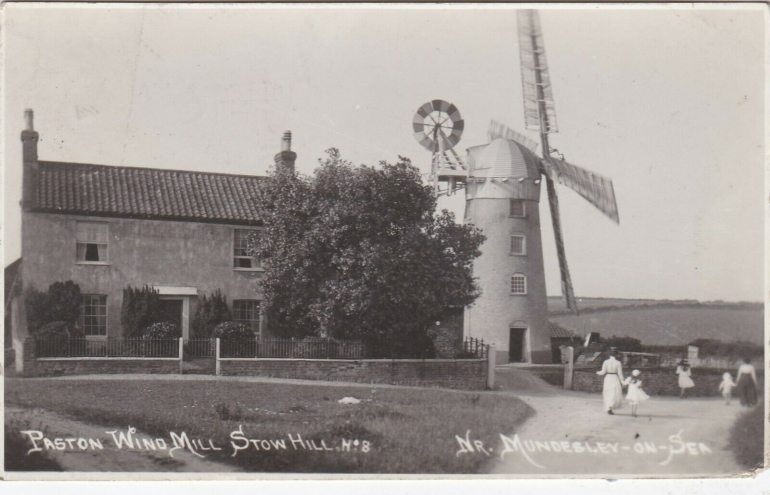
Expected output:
{"points": [[502, 181]]}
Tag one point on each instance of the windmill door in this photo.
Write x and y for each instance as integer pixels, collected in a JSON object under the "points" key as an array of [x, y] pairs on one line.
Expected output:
{"points": [[516, 345]]}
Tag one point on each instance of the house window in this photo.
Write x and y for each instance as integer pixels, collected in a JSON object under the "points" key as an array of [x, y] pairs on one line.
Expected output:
{"points": [[246, 311], [518, 244], [467, 210], [241, 258], [92, 242], [517, 208], [93, 315], [518, 284]]}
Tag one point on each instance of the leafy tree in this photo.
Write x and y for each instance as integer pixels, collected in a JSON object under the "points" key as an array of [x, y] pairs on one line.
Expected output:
{"points": [[65, 300], [140, 309], [360, 253], [211, 312], [60, 303]]}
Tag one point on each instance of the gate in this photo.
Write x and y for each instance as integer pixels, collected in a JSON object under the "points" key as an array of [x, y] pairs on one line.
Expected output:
{"points": [[200, 356]]}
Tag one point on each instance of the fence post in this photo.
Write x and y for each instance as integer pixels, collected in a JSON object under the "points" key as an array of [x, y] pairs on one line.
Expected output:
{"points": [[217, 356], [491, 366], [570, 368], [181, 355]]}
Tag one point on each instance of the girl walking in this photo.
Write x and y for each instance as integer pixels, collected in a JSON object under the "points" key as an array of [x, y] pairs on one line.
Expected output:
{"points": [[635, 393], [684, 372], [726, 387]]}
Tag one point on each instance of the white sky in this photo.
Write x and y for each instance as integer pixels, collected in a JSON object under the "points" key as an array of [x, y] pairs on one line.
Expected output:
{"points": [[669, 103]]}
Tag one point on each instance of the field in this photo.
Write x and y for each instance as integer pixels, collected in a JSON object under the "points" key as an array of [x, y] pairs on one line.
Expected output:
{"points": [[406, 430], [671, 326], [556, 303]]}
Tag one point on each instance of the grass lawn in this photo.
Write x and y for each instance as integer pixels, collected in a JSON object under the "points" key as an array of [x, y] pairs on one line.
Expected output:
{"points": [[407, 430], [747, 437]]}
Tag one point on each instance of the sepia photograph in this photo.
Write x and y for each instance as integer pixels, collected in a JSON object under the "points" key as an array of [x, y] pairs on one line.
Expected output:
{"points": [[403, 240]]}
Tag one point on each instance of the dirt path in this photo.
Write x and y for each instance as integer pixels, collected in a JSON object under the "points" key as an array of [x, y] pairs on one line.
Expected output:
{"points": [[110, 458], [671, 436]]}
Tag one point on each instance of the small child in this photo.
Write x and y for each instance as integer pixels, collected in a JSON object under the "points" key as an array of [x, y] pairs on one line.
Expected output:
{"points": [[726, 387], [635, 393]]}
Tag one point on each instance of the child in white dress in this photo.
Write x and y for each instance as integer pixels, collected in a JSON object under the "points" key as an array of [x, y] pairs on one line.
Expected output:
{"points": [[726, 387], [635, 393]]}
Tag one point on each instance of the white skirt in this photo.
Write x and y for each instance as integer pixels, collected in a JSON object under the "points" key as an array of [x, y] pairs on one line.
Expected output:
{"points": [[636, 394], [612, 392]]}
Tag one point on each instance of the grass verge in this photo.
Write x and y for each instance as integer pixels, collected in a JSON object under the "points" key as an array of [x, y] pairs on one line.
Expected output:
{"points": [[747, 439], [16, 447], [406, 430]]}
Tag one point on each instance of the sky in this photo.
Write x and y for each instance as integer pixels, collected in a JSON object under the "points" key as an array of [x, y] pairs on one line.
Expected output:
{"points": [[669, 103]]}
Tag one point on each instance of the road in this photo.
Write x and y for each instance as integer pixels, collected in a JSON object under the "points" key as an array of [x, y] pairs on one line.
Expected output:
{"points": [[571, 435]]}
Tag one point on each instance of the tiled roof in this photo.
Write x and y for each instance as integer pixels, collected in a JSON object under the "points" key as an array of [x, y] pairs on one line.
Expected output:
{"points": [[559, 332], [103, 190]]}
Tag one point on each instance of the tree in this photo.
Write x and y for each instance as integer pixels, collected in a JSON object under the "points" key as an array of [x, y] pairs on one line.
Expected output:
{"points": [[140, 309], [359, 253], [211, 312], [60, 303]]}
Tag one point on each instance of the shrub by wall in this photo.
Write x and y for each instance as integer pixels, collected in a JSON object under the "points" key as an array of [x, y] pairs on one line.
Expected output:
{"points": [[162, 330], [60, 303], [140, 309], [211, 312]]}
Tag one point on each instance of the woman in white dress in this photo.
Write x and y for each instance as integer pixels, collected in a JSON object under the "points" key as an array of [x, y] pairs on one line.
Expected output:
{"points": [[684, 372], [613, 383]]}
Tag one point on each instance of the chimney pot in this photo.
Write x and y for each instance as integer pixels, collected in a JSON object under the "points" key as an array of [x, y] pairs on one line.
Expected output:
{"points": [[284, 160], [286, 141], [29, 119]]}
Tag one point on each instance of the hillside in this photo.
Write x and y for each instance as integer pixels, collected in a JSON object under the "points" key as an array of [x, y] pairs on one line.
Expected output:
{"points": [[667, 325]]}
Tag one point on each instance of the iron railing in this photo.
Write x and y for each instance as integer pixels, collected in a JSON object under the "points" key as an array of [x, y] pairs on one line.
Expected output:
{"points": [[200, 348], [288, 348], [82, 347], [472, 348]]}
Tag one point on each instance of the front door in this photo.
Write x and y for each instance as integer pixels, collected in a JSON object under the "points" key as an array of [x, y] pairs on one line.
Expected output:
{"points": [[516, 345], [171, 311]]}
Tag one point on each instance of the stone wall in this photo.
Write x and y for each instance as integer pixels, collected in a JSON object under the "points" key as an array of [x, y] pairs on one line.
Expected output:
{"points": [[452, 373], [34, 366], [660, 381]]}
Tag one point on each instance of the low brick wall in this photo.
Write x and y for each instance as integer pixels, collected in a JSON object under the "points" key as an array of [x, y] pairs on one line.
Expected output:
{"points": [[102, 366], [34, 366], [452, 373], [660, 381]]}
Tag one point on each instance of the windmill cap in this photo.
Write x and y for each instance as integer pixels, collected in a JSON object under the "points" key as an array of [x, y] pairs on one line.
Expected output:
{"points": [[504, 158]]}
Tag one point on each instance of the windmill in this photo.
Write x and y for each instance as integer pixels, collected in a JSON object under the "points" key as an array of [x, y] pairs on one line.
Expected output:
{"points": [[502, 192]]}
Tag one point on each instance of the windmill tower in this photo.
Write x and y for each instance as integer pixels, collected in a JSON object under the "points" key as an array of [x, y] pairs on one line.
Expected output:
{"points": [[502, 191]]}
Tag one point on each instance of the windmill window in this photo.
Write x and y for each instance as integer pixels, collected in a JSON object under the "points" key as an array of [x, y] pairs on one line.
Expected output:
{"points": [[92, 242], [93, 315], [518, 209], [518, 244], [241, 258], [246, 311], [518, 284]]}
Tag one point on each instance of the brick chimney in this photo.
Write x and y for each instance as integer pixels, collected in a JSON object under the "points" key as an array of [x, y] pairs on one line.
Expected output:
{"points": [[30, 169], [284, 161]]}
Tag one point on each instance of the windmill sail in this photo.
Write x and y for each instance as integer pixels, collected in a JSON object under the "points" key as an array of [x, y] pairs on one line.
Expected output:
{"points": [[566, 281], [593, 187], [539, 114], [498, 130]]}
